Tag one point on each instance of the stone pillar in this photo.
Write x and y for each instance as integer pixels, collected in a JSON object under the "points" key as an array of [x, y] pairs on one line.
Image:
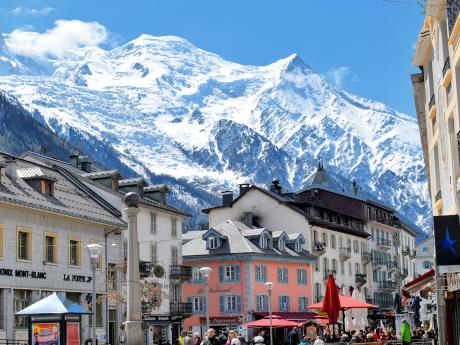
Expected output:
{"points": [[133, 323]]}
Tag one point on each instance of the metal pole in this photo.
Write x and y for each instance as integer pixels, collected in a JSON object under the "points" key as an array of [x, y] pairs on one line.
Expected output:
{"points": [[106, 289], [93, 301], [207, 303], [270, 313], [440, 306]]}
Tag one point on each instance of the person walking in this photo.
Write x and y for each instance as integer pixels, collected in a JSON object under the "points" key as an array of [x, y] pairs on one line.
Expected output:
{"points": [[294, 337], [188, 339], [405, 333], [318, 341], [196, 338], [212, 339]]}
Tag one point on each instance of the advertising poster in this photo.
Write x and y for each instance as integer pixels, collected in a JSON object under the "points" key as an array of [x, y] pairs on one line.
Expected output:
{"points": [[73, 333], [45, 333]]}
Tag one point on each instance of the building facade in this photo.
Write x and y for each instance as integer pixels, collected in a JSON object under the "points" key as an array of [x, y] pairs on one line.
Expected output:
{"points": [[243, 258], [46, 221], [436, 97], [160, 241]]}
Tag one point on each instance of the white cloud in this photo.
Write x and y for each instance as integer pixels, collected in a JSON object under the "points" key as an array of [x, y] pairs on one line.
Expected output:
{"points": [[65, 39], [338, 75], [35, 12]]}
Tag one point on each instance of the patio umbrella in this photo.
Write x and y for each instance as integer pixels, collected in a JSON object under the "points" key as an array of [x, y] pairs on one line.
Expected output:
{"points": [[277, 322], [346, 303], [331, 301]]}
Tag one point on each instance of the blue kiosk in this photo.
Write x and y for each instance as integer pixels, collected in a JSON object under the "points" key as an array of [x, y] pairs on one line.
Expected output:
{"points": [[54, 320]]}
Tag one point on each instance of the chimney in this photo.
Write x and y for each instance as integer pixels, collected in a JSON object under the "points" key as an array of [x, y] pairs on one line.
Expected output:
{"points": [[85, 164], [244, 187], [11, 167], [248, 218], [227, 197], [73, 160], [275, 186]]}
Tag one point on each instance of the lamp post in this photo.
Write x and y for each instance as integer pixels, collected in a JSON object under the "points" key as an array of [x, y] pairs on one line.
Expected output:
{"points": [[133, 323], [94, 251], [269, 286], [206, 271]]}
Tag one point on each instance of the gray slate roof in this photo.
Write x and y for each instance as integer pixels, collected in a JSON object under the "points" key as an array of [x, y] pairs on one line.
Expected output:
{"points": [[101, 174], [35, 172], [157, 187], [131, 181], [237, 243], [68, 199]]}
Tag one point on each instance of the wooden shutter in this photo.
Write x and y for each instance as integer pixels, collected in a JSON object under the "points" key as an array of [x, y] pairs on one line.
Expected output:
{"points": [[221, 273], [288, 304], [264, 271], [299, 280], [222, 304], [238, 304], [237, 273], [280, 303]]}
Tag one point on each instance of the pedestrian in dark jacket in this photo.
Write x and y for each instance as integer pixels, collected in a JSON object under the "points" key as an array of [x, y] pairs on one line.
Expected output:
{"points": [[212, 339], [293, 337]]}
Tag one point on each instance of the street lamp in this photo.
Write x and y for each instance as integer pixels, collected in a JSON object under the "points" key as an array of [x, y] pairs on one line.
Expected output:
{"points": [[269, 286], [94, 251], [206, 272]]}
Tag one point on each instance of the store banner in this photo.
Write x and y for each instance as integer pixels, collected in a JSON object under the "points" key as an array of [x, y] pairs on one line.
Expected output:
{"points": [[73, 333], [447, 239]]}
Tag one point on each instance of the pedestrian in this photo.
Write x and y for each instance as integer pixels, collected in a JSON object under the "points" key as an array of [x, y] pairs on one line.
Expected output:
{"points": [[212, 339], [318, 341], [259, 340], [188, 339], [235, 341], [293, 337], [231, 336], [182, 336], [405, 333], [304, 341], [196, 338], [205, 339]]}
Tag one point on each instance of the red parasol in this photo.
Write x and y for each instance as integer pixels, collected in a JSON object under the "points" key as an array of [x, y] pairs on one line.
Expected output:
{"points": [[346, 302], [277, 322], [331, 303]]}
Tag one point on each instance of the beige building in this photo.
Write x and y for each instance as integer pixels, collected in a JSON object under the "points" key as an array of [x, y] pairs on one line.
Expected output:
{"points": [[436, 95]]}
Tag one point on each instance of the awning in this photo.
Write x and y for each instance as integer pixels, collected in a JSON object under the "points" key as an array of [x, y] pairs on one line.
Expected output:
{"points": [[277, 322], [293, 316], [346, 302], [423, 284], [53, 304]]}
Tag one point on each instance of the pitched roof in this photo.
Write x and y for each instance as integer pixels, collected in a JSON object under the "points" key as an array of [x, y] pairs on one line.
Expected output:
{"points": [[237, 243], [31, 173], [69, 198], [132, 181], [157, 187], [101, 174]]}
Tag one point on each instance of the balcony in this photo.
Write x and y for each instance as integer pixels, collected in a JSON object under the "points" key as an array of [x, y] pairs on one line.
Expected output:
{"points": [[326, 273], [405, 250], [446, 67], [366, 257], [393, 265], [180, 309], [404, 272], [180, 273], [145, 268], [344, 253], [318, 248], [383, 243], [432, 107], [360, 279], [412, 254], [378, 263], [387, 285]]}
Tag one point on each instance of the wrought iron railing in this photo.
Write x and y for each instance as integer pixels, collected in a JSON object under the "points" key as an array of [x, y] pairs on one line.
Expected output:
{"points": [[432, 102], [360, 279], [387, 285], [438, 196], [446, 67], [453, 7], [180, 308], [383, 242], [180, 272]]}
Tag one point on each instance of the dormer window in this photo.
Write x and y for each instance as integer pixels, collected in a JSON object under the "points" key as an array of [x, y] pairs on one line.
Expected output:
{"points": [[282, 243], [213, 242], [38, 180], [263, 241], [298, 246]]}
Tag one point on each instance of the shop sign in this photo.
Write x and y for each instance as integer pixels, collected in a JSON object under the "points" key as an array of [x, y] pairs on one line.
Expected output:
{"points": [[22, 273], [216, 290], [77, 278], [453, 282], [447, 241], [221, 320], [157, 318], [45, 333]]}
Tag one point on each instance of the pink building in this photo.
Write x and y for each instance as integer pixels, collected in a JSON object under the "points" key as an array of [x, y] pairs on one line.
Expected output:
{"points": [[243, 258]]}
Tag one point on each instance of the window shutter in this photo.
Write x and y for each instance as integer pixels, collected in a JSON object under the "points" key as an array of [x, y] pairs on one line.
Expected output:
{"points": [[299, 307], [264, 271], [280, 303], [299, 281], [204, 304], [221, 273], [288, 306], [279, 274], [286, 275], [238, 304], [222, 304], [237, 273]]}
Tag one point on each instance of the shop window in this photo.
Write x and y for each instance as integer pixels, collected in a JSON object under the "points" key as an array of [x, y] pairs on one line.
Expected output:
{"points": [[24, 244], [21, 300]]}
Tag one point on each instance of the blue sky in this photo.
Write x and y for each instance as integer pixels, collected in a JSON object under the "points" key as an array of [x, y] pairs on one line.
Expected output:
{"points": [[363, 45]]}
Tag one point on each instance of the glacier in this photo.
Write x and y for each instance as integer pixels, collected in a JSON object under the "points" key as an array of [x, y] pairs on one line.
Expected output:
{"points": [[168, 108]]}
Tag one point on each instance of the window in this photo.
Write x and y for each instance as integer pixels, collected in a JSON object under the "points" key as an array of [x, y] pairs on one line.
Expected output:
{"points": [[282, 275], [74, 251], [262, 303], [357, 268], [356, 246], [21, 300], [99, 261], [212, 242], [153, 252], [334, 266], [318, 295], [174, 256], [230, 304], [333, 242], [350, 272], [112, 276], [303, 303], [317, 268], [342, 268], [197, 277], [427, 264], [298, 246], [301, 276], [173, 227], [198, 304], [50, 248], [46, 293], [325, 239], [263, 241], [315, 236], [282, 243], [229, 274], [261, 273], [153, 223], [284, 304], [98, 311], [24, 244]]}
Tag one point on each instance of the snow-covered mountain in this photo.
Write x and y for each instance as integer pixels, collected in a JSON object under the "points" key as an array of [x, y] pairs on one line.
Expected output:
{"points": [[169, 108]]}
